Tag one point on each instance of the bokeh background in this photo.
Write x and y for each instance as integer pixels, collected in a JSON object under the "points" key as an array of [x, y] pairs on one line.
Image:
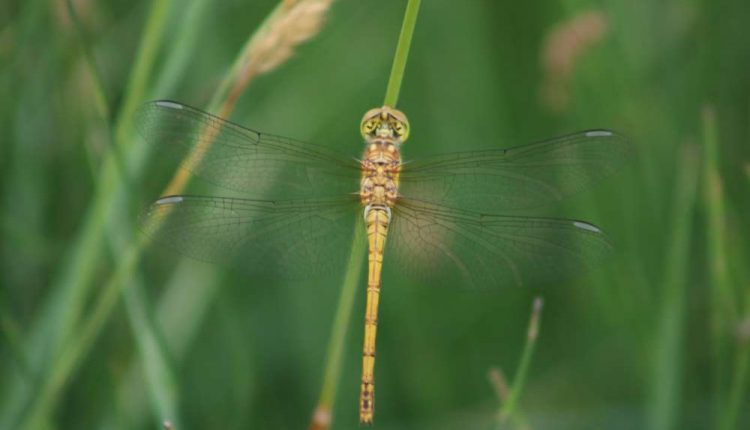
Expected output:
{"points": [[98, 336]]}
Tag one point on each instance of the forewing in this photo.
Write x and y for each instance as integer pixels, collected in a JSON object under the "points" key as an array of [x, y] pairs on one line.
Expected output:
{"points": [[299, 238], [245, 160], [520, 178], [435, 245]]}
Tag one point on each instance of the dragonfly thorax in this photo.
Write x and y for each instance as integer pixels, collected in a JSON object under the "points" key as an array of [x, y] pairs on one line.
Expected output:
{"points": [[381, 164]]}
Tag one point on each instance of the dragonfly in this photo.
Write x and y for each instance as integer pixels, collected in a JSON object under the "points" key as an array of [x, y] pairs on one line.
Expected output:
{"points": [[460, 218]]}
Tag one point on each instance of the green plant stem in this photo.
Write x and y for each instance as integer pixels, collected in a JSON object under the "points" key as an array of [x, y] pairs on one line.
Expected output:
{"points": [[667, 369], [182, 50], [723, 312], [101, 101], [342, 320], [139, 79], [402, 53], [160, 375], [509, 405], [714, 199]]}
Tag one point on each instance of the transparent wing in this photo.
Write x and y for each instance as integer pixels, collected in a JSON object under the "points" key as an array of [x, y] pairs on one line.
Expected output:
{"points": [[448, 246], [524, 177], [244, 160], [299, 238]]}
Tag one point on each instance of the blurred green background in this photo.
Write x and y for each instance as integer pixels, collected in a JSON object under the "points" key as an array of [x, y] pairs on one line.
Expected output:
{"points": [[657, 338]]}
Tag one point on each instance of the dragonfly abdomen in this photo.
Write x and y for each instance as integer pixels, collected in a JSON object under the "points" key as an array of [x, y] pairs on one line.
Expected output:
{"points": [[378, 219]]}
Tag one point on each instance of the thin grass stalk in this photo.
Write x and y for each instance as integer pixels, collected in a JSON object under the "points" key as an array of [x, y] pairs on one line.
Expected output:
{"points": [[713, 192], [322, 416], [725, 317], [139, 79], [323, 412], [402, 53], [101, 101], [499, 383], [669, 342], [182, 51], [96, 85], [160, 374], [723, 311], [509, 407]]}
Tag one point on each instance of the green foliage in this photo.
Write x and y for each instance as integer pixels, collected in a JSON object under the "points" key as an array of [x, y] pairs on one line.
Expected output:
{"points": [[97, 333]]}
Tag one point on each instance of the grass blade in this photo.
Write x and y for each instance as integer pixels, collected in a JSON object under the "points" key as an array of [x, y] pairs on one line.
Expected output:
{"points": [[666, 382], [509, 410]]}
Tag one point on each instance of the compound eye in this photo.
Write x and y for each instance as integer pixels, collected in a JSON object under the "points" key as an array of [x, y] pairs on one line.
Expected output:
{"points": [[401, 130], [369, 126]]}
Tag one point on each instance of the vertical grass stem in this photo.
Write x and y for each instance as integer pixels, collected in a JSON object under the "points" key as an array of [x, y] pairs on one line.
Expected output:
{"points": [[402, 53], [508, 407], [666, 385], [723, 311], [322, 416]]}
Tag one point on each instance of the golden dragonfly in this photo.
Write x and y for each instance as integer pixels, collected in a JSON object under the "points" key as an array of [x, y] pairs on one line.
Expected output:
{"points": [[447, 219]]}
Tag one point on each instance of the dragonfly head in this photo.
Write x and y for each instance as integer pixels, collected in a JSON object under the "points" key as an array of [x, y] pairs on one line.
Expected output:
{"points": [[385, 122]]}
